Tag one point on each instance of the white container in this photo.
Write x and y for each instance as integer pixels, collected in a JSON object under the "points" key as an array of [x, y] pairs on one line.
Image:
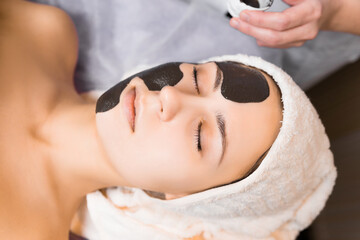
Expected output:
{"points": [[236, 6]]}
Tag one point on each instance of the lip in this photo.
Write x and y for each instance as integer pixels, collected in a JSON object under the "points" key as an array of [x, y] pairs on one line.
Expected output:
{"points": [[129, 107]]}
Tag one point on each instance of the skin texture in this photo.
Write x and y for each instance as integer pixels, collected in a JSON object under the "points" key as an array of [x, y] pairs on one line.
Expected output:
{"points": [[40, 110], [300, 23], [52, 154], [169, 120]]}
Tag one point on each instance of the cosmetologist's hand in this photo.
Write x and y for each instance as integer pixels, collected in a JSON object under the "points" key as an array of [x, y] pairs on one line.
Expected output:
{"points": [[297, 24]]}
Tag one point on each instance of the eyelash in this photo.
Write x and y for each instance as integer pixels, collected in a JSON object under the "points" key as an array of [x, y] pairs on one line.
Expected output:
{"points": [[195, 81], [198, 137], [198, 130]]}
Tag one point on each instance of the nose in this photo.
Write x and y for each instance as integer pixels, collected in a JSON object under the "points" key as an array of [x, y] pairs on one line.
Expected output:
{"points": [[170, 103]]}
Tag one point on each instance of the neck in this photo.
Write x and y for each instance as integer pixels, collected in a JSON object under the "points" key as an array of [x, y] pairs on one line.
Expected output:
{"points": [[77, 162]]}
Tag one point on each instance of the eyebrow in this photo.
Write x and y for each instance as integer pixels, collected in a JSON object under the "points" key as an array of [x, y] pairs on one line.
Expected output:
{"points": [[221, 120], [218, 78], [221, 126]]}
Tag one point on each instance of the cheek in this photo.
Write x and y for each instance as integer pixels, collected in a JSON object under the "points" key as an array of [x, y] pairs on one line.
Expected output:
{"points": [[161, 164], [242, 84], [166, 139], [168, 144], [163, 75], [166, 151]]}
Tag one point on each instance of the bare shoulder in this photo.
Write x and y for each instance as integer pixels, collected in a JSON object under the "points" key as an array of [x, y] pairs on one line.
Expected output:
{"points": [[46, 32]]}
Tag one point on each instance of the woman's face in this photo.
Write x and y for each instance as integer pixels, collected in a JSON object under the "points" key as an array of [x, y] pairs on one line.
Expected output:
{"points": [[181, 128]]}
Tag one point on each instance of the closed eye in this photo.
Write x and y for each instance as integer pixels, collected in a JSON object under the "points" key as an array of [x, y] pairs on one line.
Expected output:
{"points": [[195, 80], [198, 137]]}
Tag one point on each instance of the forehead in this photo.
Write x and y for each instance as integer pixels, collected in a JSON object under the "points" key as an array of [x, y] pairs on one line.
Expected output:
{"points": [[252, 127]]}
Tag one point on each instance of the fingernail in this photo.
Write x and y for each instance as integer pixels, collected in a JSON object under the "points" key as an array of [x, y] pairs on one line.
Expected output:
{"points": [[245, 17], [235, 22]]}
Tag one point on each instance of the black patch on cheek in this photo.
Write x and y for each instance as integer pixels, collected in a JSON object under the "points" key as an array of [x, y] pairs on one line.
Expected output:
{"points": [[168, 74], [110, 98], [242, 84]]}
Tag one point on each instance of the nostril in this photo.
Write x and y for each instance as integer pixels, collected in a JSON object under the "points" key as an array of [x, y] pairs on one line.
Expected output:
{"points": [[169, 102]]}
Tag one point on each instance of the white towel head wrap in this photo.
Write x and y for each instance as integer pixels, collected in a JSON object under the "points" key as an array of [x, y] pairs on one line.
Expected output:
{"points": [[282, 196]]}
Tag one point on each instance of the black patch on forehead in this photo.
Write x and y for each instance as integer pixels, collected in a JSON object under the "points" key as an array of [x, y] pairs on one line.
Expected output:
{"points": [[168, 74], [242, 84]]}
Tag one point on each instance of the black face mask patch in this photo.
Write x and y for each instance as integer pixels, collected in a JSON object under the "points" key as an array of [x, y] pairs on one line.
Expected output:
{"points": [[168, 74], [242, 84]]}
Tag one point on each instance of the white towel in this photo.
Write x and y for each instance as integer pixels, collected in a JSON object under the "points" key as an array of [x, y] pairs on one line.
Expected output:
{"points": [[279, 199]]}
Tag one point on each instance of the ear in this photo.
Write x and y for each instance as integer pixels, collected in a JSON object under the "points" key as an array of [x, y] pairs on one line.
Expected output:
{"points": [[169, 196]]}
